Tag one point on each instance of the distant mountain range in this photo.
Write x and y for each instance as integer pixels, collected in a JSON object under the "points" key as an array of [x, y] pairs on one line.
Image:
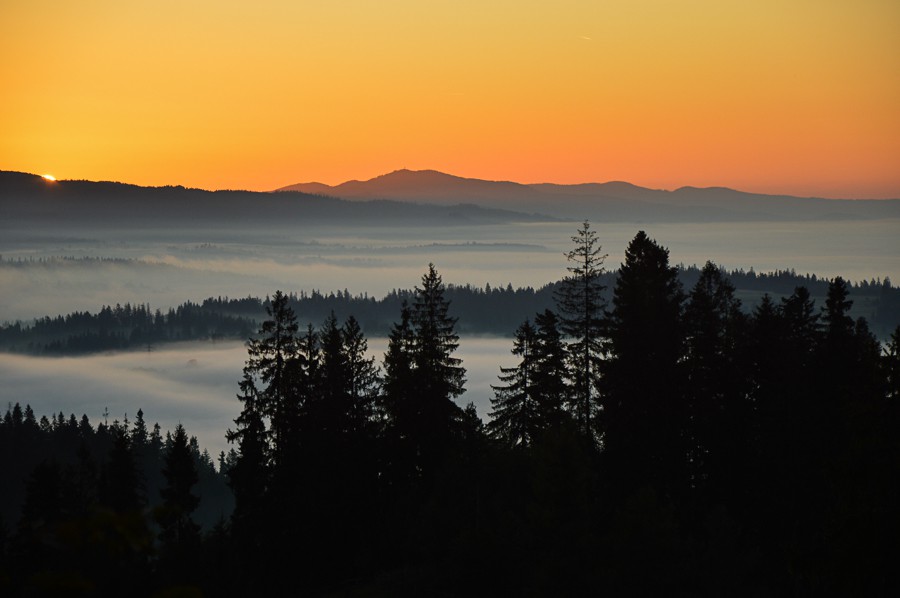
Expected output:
{"points": [[30, 200], [613, 201], [402, 198]]}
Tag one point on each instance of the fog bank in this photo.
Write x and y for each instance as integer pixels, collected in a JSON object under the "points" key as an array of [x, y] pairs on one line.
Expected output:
{"points": [[191, 383], [166, 268]]}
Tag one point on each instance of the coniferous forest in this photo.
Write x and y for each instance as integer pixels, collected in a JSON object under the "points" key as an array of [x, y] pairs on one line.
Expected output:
{"points": [[653, 438], [493, 310]]}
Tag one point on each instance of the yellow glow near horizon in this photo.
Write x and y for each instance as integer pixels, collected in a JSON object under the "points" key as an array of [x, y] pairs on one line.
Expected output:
{"points": [[797, 97], [48, 177]]}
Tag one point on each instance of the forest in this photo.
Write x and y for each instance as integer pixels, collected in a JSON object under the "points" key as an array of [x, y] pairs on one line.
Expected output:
{"points": [[489, 310], [654, 437]]}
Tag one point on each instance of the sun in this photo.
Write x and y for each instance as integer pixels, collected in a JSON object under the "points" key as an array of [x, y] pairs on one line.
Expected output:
{"points": [[48, 177]]}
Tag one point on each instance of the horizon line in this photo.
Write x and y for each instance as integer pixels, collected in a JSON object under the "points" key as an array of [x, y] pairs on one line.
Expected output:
{"points": [[50, 179]]}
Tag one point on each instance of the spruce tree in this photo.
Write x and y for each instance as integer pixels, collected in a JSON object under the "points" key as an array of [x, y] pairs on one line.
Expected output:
{"points": [[273, 361], [514, 415], [122, 483], [264, 474], [838, 323], [180, 474], [441, 374], [398, 363], [422, 377], [803, 327], [249, 470], [533, 394], [769, 392], [438, 376], [329, 406], [582, 309], [139, 434], [718, 408], [363, 379], [550, 373], [179, 535], [644, 414], [397, 405]]}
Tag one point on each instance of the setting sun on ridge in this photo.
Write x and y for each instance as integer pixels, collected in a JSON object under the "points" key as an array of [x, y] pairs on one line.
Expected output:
{"points": [[768, 96]]}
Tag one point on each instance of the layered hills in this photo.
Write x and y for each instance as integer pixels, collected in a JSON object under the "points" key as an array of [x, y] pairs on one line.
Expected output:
{"points": [[26, 198], [612, 201], [405, 197]]}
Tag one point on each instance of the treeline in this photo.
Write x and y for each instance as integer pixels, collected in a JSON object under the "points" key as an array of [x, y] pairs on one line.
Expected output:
{"points": [[488, 310], [83, 508], [31, 260], [122, 327], [666, 442], [663, 441]]}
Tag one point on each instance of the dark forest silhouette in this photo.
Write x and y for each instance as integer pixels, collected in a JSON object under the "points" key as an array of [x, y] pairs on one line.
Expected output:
{"points": [[653, 438], [481, 310]]}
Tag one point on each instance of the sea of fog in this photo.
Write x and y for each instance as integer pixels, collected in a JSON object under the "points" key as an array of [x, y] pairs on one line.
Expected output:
{"points": [[192, 383], [166, 268], [196, 383]]}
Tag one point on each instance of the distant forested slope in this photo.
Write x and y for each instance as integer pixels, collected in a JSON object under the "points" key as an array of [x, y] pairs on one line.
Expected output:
{"points": [[489, 310], [27, 199]]}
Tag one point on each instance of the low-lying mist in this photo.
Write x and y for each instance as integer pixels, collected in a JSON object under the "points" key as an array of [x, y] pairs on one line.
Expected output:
{"points": [[196, 383], [165, 268], [191, 383]]}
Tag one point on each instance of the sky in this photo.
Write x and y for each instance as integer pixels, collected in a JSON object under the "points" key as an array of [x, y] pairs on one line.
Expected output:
{"points": [[799, 97]]}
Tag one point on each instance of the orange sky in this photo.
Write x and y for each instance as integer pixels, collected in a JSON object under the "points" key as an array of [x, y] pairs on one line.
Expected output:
{"points": [[798, 96]]}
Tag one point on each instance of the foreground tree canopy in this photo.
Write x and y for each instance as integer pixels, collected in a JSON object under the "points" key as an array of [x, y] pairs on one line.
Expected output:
{"points": [[662, 441]]}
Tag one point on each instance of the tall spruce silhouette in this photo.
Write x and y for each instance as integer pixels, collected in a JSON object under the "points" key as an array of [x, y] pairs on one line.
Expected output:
{"points": [[530, 401], [249, 470], [719, 412], [644, 412], [398, 404], [515, 416], [122, 483], [363, 380], [438, 376], [550, 373], [273, 363], [582, 314], [422, 377], [266, 476], [179, 535]]}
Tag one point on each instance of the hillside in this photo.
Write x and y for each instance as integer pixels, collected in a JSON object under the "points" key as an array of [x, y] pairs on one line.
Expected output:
{"points": [[27, 198], [612, 201], [492, 311]]}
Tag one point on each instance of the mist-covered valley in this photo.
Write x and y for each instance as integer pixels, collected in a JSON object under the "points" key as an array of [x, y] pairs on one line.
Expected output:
{"points": [[166, 267], [62, 256], [193, 383], [66, 355]]}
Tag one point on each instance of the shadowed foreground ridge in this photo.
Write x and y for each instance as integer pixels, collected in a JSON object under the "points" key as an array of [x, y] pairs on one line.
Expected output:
{"points": [[653, 438]]}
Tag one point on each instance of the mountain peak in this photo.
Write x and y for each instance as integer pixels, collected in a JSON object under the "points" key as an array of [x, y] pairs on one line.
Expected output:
{"points": [[417, 185], [406, 176], [613, 200]]}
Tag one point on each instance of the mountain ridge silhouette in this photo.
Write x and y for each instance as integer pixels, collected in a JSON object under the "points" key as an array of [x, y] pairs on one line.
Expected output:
{"points": [[426, 197], [617, 200], [30, 199]]}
